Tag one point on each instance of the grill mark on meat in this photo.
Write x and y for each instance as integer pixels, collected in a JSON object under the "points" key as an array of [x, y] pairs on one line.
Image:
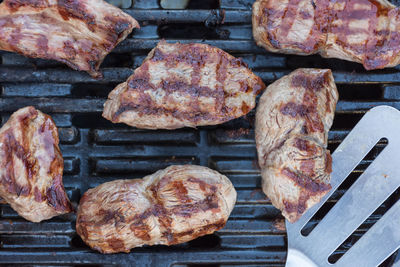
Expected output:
{"points": [[245, 108], [140, 227], [14, 5], [313, 120], [141, 230], [196, 91], [69, 49], [201, 183], [42, 44], [306, 182], [119, 26], [271, 14], [207, 229], [15, 38], [221, 72], [56, 196], [75, 9], [109, 215], [12, 147], [181, 192], [308, 109], [187, 210], [305, 15], [23, 150], [328, 162], [289, 17], [299, 207], [194, 56], [315, 84], [293, 109], [159, 211], [38, 195], [81, 228], [210, 202], [116, 243], [328, 102], [304, 145], [307, 167]]}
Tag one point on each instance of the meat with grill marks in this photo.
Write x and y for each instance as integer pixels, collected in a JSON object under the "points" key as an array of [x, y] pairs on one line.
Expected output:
{"points": [[363, 31], [171, 206], [79, 33], [184, 85], [31, 166], [293, 118]]}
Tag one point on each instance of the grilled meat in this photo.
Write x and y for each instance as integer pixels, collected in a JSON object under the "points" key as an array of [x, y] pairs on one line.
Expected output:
{"points": [[293, 118], [79, 33], [171, 206], [364, 31], [31, 166], [184, 85]]}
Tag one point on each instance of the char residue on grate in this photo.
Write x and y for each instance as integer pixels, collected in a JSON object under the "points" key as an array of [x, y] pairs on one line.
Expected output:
{"points": [[97, 151]]}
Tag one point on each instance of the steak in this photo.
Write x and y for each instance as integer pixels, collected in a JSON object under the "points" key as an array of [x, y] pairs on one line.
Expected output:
{"points": [[79, 33], [171, 206], [293, 118], [31, 166], [363, 31], [184, 85]]}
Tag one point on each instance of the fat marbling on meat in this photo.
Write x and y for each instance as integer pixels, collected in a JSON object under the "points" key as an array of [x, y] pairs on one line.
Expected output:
{"points": [[31, 166], [79, 33], [293, 118], [184, 85], [363, 31]]}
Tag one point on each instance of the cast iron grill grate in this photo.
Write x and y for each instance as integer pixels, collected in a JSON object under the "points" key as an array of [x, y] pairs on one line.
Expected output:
{"points": [[97, 151]]}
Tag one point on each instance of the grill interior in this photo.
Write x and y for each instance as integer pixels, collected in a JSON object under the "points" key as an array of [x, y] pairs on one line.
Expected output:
{"points": [[97, 151]]}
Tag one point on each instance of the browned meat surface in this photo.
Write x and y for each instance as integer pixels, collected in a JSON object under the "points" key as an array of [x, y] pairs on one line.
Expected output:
{"points": [[171, 206], [79, 33], [184, 85], [31, 166], [363, 31], [293, 118]]}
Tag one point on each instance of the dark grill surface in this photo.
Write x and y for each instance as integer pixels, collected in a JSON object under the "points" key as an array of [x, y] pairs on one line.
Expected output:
{"points": [[97, 151]]}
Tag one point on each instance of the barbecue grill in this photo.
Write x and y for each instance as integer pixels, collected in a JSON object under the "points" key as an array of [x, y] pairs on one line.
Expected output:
{"points": [[97, 151]]}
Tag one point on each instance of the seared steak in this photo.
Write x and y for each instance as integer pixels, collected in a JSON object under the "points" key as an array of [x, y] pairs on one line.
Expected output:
{"points": [[363, 31], [184, 85], [79, 33], [171, 206], [31, 166], [292, 122]]}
